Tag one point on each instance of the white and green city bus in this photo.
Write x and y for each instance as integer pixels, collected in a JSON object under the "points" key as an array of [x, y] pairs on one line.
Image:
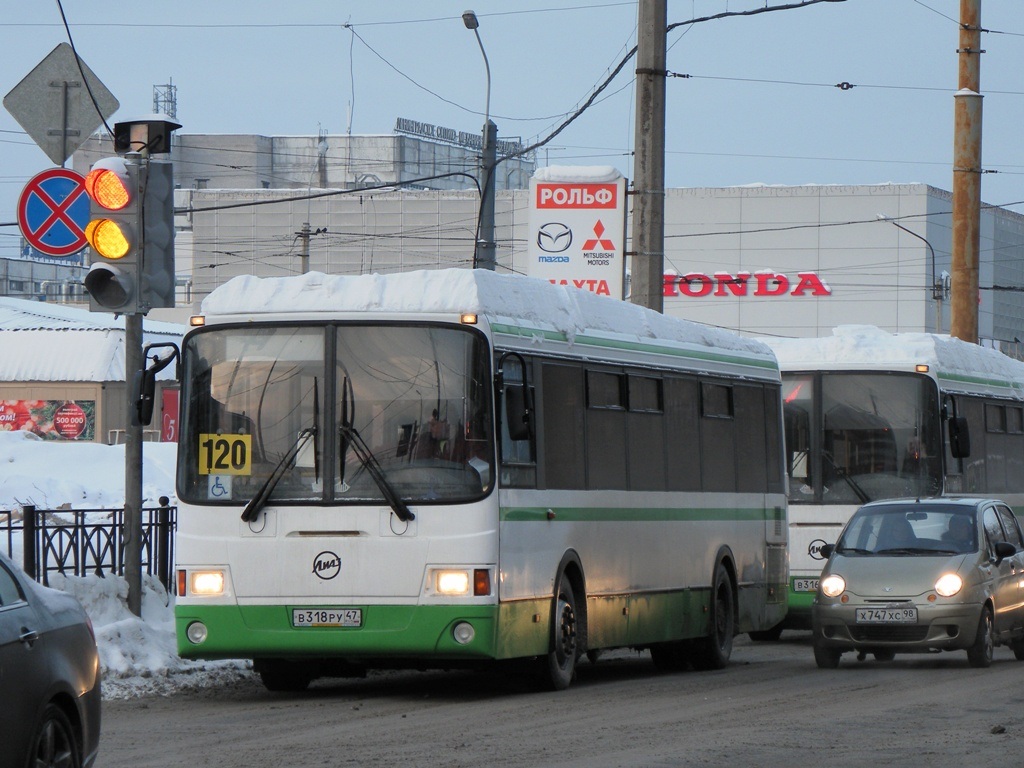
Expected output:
{"points": [[874, 415], [452, 468]]}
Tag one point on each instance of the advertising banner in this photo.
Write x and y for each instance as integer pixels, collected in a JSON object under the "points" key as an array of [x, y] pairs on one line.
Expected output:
{"points": [[577, 233], [50, 419]]}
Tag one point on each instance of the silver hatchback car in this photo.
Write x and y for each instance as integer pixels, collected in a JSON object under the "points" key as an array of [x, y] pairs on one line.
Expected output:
{"points": [[911, 576]]}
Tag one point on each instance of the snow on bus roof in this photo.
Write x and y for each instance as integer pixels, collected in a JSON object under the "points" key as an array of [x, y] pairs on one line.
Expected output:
{"points": [[526, 300], [866, 346]]}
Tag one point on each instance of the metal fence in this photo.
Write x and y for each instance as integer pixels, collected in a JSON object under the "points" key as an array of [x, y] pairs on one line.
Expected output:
{"points": [[78, 542]]}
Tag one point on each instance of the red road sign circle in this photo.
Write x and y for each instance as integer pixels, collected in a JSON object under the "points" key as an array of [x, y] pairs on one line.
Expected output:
{"points": [[53, 211]]}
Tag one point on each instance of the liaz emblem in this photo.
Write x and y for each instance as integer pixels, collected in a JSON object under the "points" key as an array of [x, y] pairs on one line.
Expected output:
{"points": [[326, 565]]}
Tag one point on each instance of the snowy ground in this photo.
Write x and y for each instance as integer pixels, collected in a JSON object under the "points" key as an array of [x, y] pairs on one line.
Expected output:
{"points": [[137, 654]]}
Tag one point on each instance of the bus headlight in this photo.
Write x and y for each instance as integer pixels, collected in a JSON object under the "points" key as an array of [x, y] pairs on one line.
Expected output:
{"points": [[452, 582], [206, 583]]}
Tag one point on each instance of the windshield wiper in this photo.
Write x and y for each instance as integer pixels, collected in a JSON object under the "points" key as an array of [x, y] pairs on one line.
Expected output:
{"points": [[259, 500], [864, 498], [362, 451]]}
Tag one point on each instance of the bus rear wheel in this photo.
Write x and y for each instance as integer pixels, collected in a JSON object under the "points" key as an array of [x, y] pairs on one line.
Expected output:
{"points": [[714, 650], [559, 666]]}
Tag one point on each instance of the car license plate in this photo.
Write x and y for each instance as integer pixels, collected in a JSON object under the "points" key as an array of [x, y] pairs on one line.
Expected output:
{"points": [[887, 615], [805, 585], [327, 617]]}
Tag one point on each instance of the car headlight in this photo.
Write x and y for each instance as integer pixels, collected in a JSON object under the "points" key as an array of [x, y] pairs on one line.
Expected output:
{"points": [[949, 584], [833, 585]]}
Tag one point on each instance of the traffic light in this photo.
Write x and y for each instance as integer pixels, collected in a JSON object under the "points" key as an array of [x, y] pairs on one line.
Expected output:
{"points": [[156, 289], [113, 234], [131, 233]]}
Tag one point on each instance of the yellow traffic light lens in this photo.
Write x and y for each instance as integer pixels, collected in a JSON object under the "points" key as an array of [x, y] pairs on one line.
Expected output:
{"points": [[108, 188], [107, 239]]}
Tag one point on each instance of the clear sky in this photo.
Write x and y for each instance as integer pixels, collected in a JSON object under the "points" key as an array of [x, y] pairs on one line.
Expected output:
{"points": [[759, 106]]}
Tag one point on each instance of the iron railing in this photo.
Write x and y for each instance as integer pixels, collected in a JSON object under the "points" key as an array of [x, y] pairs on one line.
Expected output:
{"points": [[78, 542]]}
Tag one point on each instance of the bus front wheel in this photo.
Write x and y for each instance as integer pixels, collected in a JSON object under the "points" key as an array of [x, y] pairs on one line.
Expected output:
{"points": [[559, 666]]}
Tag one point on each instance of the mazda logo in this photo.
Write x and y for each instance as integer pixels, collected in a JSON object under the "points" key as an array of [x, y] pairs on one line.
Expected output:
{"points": [[554, 237]]}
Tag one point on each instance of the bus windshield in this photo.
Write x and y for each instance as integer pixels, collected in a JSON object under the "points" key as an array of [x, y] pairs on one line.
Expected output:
{"points": [[855, 437], [351, 413]]}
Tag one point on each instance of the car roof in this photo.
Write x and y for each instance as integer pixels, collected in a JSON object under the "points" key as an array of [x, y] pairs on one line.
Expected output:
{"points": [[939, 501]]}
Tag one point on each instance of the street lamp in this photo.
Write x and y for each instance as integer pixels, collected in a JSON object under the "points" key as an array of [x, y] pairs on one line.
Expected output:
{"points": [[938, 286], [484, 256]]}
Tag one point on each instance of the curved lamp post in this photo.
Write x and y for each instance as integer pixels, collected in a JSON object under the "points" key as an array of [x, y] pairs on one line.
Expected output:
{"points": [[484, 252]]}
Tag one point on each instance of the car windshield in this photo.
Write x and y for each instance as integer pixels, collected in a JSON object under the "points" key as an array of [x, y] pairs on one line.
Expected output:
{"points": [[906, 529]]}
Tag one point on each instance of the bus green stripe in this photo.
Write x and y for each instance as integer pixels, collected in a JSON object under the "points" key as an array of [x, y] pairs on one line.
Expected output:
{"points": [[632, 515], [634, 346], [980, 380]]}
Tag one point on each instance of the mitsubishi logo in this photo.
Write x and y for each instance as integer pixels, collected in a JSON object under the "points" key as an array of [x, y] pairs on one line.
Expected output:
{"points": [[598, 240]]}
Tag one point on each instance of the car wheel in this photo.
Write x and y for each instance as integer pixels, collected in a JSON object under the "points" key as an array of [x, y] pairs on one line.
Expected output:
{"points": [[980, 654], [713, 651], [54, 743], [559, 666], [1017, 646], [826, 658]]}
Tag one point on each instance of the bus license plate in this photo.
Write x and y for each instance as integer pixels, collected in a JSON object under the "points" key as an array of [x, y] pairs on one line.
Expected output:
{"points": [[887, 615], [805, 585], [327, 617]]}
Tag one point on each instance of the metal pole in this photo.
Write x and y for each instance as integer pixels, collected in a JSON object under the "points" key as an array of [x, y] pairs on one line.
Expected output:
{"points": [[484, 251], [28, 541], [967, 176], [132, 527], [647, 288], [936, 288]]}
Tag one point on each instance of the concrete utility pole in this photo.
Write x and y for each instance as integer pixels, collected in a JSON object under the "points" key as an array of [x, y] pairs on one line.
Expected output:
{"points": [[967, 177], [647, 288]]}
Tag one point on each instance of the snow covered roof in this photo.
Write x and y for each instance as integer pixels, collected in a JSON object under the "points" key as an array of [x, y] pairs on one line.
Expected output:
{"points": [[960, 365], [526, 300], [51, 342]]}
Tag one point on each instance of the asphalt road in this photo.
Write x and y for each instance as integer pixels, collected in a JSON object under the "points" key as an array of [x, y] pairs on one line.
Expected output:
{"points": [[771, 707]]}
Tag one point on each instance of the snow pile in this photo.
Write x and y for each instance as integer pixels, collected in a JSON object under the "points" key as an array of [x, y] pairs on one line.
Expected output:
{"points": [[78, 475], [137, 654]]}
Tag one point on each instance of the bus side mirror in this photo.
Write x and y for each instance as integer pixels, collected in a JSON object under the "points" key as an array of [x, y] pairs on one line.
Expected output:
{"points": [[143, 392], [959, 437], [144, 383]]}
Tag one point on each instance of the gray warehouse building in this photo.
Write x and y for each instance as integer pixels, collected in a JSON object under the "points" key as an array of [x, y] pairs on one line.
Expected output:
{"points": [[763, 260]]}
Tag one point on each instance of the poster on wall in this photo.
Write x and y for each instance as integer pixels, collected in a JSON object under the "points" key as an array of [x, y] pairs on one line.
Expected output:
{"points": [[50, 419], [578, 228]]}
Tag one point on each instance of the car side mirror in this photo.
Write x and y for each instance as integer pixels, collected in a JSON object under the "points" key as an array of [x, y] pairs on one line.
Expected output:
{"points": [[1004, 549], [826, 550]]}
